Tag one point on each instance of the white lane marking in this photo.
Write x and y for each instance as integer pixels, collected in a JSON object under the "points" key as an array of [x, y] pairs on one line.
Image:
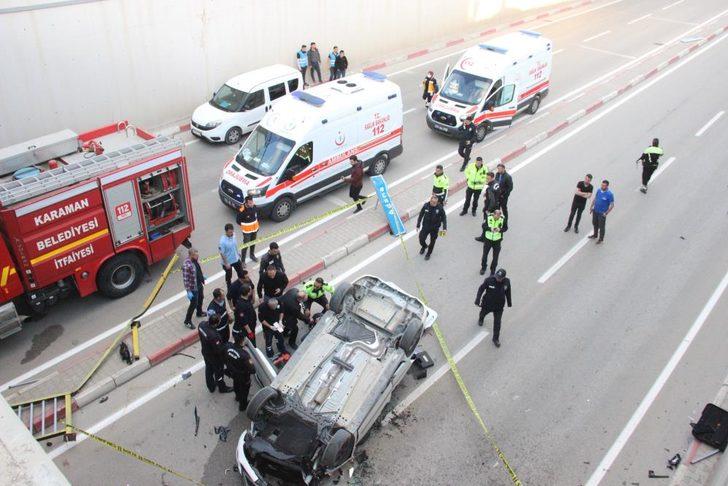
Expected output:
{"points": [[710, 122], [562, 261], [604, 51], [600, 34], [496, 139], [433, 378], [674, 21], [192, 141], [634, 21], [558, 51], [672, 4], [542, 115], [127, 409], [656, 387], [660, 170], [409, 111], [576, 97]]}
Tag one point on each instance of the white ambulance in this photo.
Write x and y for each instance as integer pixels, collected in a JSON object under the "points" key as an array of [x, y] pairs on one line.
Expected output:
{"points": [[493, 82], [302, 145]]}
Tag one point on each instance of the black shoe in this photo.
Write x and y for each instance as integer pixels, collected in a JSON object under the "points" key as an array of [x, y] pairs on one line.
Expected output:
{"points": [[242, 407], [566, 230], [358, 209], [211, 390], [201, 314], [576, 230], [293, 345], [223, 388], [473, 212], [482, 271], [600, 240], [591, 237], [422, 250], [497, 343], [462, 168], [480, 238], [363, 202], [269, 352], [480, 323], [643, 189], [253, 258], [463, 212], [189, 325], [427, 257]]}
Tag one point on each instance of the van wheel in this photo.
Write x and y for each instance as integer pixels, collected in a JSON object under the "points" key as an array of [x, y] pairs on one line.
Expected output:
{"points": [[282, 209], [120, 275], [480, 132], [379, 165], [233, 135], [535, 103]]}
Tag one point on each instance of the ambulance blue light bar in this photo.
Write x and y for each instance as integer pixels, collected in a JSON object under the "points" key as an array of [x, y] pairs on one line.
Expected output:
{"points": [[532, 33], [375, 76], [308, 98], [492, 48]]}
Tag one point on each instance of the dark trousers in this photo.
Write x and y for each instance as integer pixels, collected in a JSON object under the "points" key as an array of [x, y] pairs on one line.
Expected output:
{"points": [[464, 150], [303, 74], [268, 335], [576, 210], [239, 330], [497, 314], [503, 203], [322, 301], [241, 387], [474, 195], [340, 73], [238, 266], [354, 193], [315, 68], [290, 324], [424, 233], [427, 97], [599, 220], [332, 73], [214, 369], [248, 237], [195, 304], [224, 332], [647, 172], [496, 246]]}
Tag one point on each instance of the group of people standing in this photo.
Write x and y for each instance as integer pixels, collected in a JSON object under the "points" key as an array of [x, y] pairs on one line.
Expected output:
{"points": [[309, 58]]}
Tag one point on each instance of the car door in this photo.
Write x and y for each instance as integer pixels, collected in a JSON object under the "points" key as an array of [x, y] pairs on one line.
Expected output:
{"points": [[253, 109], [301, 174], [275, 91]]}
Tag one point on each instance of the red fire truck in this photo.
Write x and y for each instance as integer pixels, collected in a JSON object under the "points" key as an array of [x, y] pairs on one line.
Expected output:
{"points": [[87, 212]]}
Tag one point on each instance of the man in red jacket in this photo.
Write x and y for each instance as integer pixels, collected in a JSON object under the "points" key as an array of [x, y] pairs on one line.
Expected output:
{"points": [[355, 181]]}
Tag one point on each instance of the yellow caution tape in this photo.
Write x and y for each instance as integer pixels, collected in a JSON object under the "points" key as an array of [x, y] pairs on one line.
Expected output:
{"points": [[135, 455], [461, 382]]}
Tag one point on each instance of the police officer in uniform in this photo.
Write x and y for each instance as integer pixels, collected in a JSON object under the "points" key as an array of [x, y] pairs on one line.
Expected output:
{"points": [[431, 217], [493, 229], [247, 219], [475, 176], [218, 307], [212, 352], [239, 367], [497, 289], [440, 184], [467, 138], [316, 292], [245, 318], [650, 158], [505, 187], [490, 199]]}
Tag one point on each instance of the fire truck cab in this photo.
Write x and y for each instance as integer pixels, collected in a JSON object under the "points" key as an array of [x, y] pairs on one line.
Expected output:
{"points": [[87, 212]]}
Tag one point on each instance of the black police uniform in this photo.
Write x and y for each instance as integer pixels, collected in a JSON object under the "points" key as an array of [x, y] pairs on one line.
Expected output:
{"points": [[270, 316], [496, 295], [244, 316], [430, 219], [212, 349], [505, 187], [490, 202], [293, 310], [223, 327], [467, 138], [239, 367]]}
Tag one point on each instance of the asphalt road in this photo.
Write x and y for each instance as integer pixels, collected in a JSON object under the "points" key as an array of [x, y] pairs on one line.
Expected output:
{"points": [[584, 343]]}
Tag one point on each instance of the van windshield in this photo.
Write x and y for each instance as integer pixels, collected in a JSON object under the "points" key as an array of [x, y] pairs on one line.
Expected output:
{"points": [[228, 99], [463, 87], [264, 152]]}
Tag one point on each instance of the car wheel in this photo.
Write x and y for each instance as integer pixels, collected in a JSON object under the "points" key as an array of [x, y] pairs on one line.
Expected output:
{"points": [[337, 300], [120, 275], [410, 337], [259, 400], [480, 132], [282, 209], [379, 165], [233, 136], [535, 103], [338, 450]]}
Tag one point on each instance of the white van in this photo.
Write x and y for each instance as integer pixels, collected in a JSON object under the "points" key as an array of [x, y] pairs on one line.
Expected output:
{"points": [[493, 82], [240, 103], [301, 147]]}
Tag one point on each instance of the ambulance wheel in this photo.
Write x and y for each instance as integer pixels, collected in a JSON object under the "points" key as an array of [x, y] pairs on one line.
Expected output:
{"points": [[379, 165], [480, 132], [120, 275], [535, 103], [282, 209], [233, 136]]}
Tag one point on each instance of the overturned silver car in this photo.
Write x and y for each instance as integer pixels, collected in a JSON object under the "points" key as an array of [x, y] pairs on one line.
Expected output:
{"points": [[308, 419]]}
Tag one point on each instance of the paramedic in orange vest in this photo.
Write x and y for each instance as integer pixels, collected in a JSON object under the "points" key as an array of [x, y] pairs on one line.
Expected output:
{"points": [[247, 219]]}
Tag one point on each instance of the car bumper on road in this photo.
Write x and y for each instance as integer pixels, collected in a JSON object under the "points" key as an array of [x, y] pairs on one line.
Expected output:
{"points": [[215, 135], [247, 471], [441, 128]]}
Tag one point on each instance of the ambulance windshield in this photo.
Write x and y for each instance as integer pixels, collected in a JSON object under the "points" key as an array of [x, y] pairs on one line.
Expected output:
{"points": [[463, 87], [264, 152]]}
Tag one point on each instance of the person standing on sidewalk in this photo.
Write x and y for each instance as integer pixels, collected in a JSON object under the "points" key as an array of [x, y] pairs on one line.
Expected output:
{"points": [[650, 159], [584, 190], [505, 187], [302, 59], [240, 366], [228, 247], [212, 352], [497, 289], [493, 230], [601, 206], [218, 307], [440, 184], [247, 219], [272, 257], [194, 282], [431, 217], [314, 61], [332, 63], [316, 291], [475, 176], [245, 318], [429, 87], [466, 133], [341, 64], [356, 182]]}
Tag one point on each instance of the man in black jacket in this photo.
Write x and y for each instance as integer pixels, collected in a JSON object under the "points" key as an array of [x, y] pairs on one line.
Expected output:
{"points": [[292, 305], [272, 283], [218, 307], [270, 315], [245, 318], [272, 257], [431, 217], [467, 138], [497, 290], [239, 367], [212, 353], [505, 187], [490, 195]]}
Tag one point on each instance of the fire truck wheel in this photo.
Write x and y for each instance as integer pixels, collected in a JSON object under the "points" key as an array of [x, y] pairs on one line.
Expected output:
{"points": [[535, 103], [480, 132], [120, 275], [233, 136], [282, 209]]}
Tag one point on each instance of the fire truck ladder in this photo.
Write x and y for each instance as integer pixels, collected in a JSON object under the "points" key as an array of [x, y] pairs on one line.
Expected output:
{"points": [[23, 189], [48, 417]]}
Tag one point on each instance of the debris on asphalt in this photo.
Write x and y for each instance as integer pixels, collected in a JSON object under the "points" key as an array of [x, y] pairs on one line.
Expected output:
{"points": [[103, 399], [186, 375], [651, 474], [674, 461], [185, 355], [222, 432], [197, 422], [124, 353]]}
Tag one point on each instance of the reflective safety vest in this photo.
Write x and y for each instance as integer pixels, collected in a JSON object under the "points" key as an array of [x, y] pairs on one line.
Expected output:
{"points": [[494, 223], [302, 59], [441, 182], [314, 293], [248, 219], [476, 177], [332, 59], [651, 155]]}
